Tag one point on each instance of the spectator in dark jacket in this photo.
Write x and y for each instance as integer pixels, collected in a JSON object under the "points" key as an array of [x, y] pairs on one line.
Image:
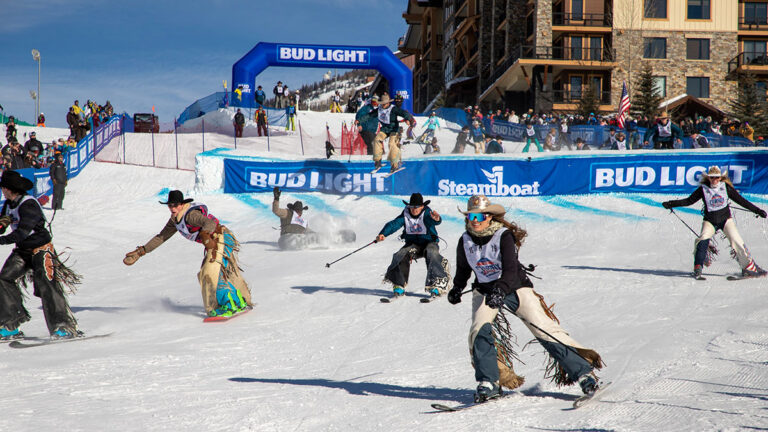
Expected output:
{"points": [[72, 121], [261, 121], [279, 97], [260, 97], [10, 129], [58, 174], [33, 144], [239, 123]]}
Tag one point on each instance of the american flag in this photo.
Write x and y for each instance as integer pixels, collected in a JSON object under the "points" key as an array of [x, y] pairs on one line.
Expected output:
{"points": [[623, 105]]}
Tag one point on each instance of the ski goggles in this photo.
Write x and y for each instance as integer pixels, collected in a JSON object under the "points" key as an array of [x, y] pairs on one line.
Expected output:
{"points": [[479, 217]]}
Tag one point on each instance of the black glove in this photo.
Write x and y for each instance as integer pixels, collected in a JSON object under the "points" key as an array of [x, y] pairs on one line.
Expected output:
{"points": [[276, 193], [667, 204], [454, 295], [495, 299], [761, 213]]}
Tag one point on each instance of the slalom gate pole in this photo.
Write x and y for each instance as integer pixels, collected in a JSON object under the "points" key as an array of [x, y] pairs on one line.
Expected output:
{"points": [[681, 220], [353, 252]]}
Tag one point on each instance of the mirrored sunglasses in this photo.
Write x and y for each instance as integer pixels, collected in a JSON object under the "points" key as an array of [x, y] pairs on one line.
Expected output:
{"points": [[479, 217]]}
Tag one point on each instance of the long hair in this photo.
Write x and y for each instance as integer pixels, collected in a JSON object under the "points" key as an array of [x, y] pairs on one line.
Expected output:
{"points": [[518, 232]]}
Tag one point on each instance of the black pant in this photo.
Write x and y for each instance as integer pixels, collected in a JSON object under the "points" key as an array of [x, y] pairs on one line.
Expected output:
{"points": [[400, 268], [55, 306], [58, 196], [368, 138]]}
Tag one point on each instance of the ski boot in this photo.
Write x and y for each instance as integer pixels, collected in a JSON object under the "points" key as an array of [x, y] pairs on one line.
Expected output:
{"points": [[752, 271], [393, 168], [10, 334], [398, 291], [588, 383], [64, 332], [377, 165], [487, 390], [696, 271]]}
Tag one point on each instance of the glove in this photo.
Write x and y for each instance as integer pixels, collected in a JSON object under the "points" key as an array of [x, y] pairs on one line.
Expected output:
{"points": [[666, 204], [134, 255], [5, 221], [210, 242], [495, 299], [276, 193], [761, 213], [454, 295]]}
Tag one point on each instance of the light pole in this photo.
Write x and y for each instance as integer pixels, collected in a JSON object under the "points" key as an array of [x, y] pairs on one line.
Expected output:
{"points": [[33, 95], [36, 57]]}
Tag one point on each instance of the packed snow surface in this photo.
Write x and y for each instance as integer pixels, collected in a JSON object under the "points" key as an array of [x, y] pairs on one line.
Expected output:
{"points": [[321, 353]]}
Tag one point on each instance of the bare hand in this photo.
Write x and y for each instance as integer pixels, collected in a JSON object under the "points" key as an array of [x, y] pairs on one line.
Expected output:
{"points": [[435, 215], [379, 238]]}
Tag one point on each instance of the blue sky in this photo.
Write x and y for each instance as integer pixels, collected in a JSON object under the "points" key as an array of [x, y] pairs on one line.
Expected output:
{"points": [[141, 53]]}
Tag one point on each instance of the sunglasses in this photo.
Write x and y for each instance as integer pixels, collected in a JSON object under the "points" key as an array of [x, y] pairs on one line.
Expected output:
{"points": [[479, 217]]}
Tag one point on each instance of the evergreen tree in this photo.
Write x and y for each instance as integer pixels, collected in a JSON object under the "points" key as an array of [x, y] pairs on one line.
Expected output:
{"points": [[749, 105], [646, 99], [590, 101]]}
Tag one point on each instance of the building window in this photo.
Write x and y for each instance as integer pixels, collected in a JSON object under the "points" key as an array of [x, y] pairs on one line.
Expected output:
{"points": [[756, 13], [754, 51], [655, 48], [577, 10], [576, 82], [655, 9], [697, 87], [576, 47], [595, 48], [660, 86], [698, 9], [697, 49]]}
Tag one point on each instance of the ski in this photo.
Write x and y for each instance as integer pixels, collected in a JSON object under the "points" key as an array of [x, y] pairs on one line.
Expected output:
{"points": [[393, 172], [391, 298], [227, 318], [429, 299], [21, 344], [583, 400], [740, 277], [446, 408], [698, 277]]}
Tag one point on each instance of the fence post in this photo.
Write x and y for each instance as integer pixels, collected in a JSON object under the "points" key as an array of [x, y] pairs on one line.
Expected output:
{"points": [[176, 137], [203, 134], [267, 127], [235, 136], [301, 138], [152, 133], [123, 137]]}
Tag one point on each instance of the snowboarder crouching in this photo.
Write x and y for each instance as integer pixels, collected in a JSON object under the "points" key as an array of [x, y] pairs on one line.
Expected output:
{"points": [[489, 249], [224, 290], [420, 235]]}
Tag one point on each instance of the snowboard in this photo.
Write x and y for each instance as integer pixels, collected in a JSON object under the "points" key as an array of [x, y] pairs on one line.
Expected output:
{"points": [[584, 400], [21, 343], [227, 318]]}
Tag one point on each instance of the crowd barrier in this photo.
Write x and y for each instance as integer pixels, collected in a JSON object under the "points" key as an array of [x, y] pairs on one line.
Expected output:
{"points": [[75, 159], [641, 172]]}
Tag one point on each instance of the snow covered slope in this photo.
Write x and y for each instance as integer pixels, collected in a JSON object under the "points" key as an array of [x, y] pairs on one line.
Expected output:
{"points": [[321, 353]]}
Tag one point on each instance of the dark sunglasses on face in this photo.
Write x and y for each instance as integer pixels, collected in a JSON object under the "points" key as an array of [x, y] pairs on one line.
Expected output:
{"points": [[479, 217]]}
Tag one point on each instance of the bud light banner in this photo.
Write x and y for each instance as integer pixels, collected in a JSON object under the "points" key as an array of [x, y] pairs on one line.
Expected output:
{"points": [[634, 172]]}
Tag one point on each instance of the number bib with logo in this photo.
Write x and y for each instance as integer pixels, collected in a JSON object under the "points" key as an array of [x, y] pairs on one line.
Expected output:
{"points": [[485, 260]]}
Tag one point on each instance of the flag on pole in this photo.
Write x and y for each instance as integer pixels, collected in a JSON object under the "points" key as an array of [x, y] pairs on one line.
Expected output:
{"points": [[623, 105]]}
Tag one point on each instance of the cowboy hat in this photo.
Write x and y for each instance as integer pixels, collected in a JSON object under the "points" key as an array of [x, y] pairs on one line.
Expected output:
{"points": [[384, 99], [16, 182], [298, 205], [713, 171], [176, 197], [663, 115], [417, 200], [481, 204]]}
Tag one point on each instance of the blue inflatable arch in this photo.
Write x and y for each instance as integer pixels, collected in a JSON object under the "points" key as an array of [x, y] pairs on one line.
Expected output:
{"points": [[266, 54]]}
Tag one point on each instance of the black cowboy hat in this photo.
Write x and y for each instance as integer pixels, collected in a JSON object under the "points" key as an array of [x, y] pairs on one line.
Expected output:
{"points": [[417, 200], [298, 205], [176, 197], [16, 182]]}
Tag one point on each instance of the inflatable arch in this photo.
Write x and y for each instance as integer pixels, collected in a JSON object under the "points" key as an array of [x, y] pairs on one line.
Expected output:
{"points": [[266, 54]]}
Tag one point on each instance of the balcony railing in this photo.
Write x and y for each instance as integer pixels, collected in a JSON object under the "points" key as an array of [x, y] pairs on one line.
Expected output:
{"points": [[553, 53], [753, 23], [581, 19], [574, 96], [748, 58]]}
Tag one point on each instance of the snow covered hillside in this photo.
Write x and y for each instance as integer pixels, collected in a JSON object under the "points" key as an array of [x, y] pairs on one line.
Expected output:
{"points": [[321, 353]]}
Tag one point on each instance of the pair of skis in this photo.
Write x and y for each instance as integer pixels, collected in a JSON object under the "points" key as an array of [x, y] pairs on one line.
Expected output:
{"points": [[31, 342], [392, 298], [578, 403], [402, 167], [735, 277]]}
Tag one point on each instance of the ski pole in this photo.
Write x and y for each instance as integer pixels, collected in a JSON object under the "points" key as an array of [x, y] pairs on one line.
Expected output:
{"points": [[355, 251], [681, 220]]}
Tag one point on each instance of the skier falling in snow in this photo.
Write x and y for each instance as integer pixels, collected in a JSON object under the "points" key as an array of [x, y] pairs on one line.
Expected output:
{"points": [[489, 249], [716, 190], [34, 251], [294, 231], [420, 235], [225, 292]]}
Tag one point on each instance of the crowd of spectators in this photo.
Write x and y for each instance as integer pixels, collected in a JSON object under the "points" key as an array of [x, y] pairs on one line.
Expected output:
{"points": [[80, 118]]}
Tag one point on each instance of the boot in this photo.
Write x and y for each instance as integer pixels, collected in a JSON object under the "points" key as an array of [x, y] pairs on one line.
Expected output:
{"points": [[588, 383], [65, 332], [487, 390], [697, 271], [9, 334], [752, 270], [398, 291]]}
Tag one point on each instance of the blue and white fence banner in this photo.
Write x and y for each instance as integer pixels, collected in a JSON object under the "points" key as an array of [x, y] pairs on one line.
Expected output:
{"points": [[645, 172]]}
